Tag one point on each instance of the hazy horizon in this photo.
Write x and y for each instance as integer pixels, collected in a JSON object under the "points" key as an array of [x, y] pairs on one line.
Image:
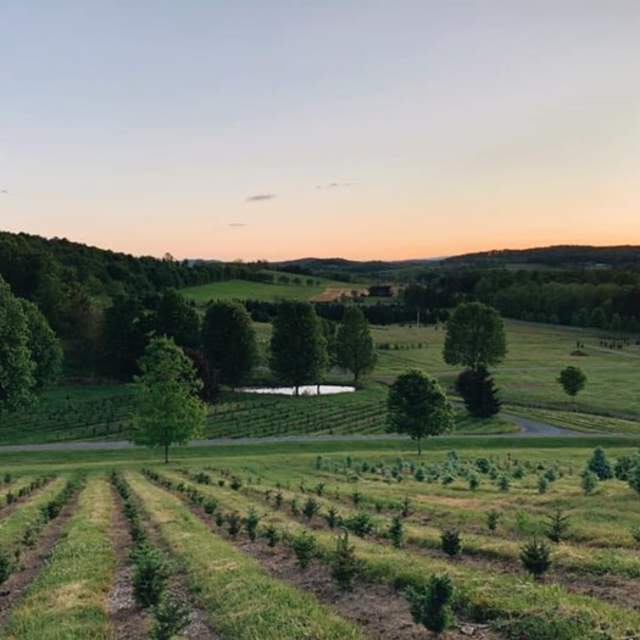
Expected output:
{"points": [[356, 129]]}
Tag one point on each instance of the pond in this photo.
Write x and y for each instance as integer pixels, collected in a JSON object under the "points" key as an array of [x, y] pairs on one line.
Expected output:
{"points": [[304, 390]]}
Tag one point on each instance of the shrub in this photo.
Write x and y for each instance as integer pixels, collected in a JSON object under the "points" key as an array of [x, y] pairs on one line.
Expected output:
{"points": [[304, 546], [396, 532], [251, 524], [295, 510], [219, 518], [599, 464], [535, 556], [272, 535], [589, 482], [210, 506], [635, 534], [557, 525], [233, 523], [171, 617], [150, 575], [360, 524], [430, 605], [11, 497], [543, 485], [493, 518], [345, 566], [406, 507], [450, 542], [278, 499], [236, 484], [483, 465], [623, 468], [634, 480], [310, 508], [474, 483], [356, 497], [6, 567], [503, 483], [332, 517]]}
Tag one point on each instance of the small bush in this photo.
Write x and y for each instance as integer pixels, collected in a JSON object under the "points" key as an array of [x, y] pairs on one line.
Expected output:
{"points": [[493, 517], [332, 517], [345, 566], [272, 536], [396, 532], [236, 484], [233, 523], [219, 518], [543, 485], [589, 482], [171, 617], [635, 534], [304, 546], [557, 525], [310, 508], [503, 483], [210, 506], [430, 606], [450, 541], [474, 482], [278, 500], [535, 556], [599, 465], [251, 524], [150, 575], [406, 507], [360, 524], [6, 568]]}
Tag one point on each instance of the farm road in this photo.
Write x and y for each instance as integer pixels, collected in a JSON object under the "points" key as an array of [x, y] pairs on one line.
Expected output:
{"points": [[529, 428]]}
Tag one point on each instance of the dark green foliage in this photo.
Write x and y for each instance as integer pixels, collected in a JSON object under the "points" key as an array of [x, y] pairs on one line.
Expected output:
{"points": [[418, 407], [251, 524], [210, 506], [599, 464], [474, 482], [344, 566], [354, 345], [360, 524], [634, 476], [304, 546], [150, 575], [406, 507], [535, 556], [272, 535], [177, 319], [233, 523], [310, 508], [450, 542], [171, 617], [229, 341], [331, 517], [430, 606], [572, 380], [479, 392], [396, 532], [543, 484], [503, 483], [236, 483], [623, 468], [298, 346], [475, 336], [493, 517], [557, 525], [6, 567]]}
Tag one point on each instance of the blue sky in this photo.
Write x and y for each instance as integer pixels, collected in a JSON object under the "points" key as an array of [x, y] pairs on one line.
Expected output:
{"points": [[377, 129]]}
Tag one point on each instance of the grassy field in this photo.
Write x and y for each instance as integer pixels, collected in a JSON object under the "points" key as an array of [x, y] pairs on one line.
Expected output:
{"points": [[320, 289], [249, 589]]}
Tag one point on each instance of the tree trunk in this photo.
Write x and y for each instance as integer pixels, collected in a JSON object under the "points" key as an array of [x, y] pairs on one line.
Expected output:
{"points": [[419, 446], [297, 391], [166, 454]]}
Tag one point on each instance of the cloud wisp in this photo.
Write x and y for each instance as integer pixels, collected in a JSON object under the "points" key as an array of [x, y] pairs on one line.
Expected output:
{"points": [[261, 197], [334, 185], [237, 225]]}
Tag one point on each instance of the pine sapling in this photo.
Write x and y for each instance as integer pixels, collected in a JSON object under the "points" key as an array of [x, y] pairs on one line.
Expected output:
{"points": [[396, 532], [233, 523], [557, 525], [251, 524], [535, 556], [493, 517], [430, 605], [304, 546], [345, 566], [450, 540]]}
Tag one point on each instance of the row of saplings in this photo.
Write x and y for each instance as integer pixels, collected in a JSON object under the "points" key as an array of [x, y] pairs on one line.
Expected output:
{"points": [[24, 491], [10, 560], [430, 605], [152, 572]]}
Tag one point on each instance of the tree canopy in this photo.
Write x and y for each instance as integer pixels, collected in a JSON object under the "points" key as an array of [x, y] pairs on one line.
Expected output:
{"points": [[475, 336], [229, 341], [168, 409], [573, 380], [298, 346], [17, 369], [418, 406], [354, 345]]}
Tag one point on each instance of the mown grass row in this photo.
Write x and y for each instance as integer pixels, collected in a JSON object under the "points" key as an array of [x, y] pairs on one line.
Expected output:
{"points": [[67, 599], [242, 600], [23, 527], [510, 602]]}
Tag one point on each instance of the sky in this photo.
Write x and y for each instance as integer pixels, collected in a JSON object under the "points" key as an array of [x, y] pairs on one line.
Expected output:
{"points": [[282, 129]]}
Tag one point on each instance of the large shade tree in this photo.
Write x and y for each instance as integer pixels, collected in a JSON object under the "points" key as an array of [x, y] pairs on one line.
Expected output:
{"points": [[355, 350], [418, 406], [229, 341], [168, 410], [176, 318], [475, 337], [298, 345]]}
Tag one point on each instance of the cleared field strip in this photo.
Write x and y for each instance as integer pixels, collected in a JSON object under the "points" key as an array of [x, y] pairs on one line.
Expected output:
{"points": [[480, 591], [67, 600], [242, 600]]}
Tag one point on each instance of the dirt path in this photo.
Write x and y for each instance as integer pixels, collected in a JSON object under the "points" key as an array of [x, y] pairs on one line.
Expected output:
{"points": [[128, 619]]}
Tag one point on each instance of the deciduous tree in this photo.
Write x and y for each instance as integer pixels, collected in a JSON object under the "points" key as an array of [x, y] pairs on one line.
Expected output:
{"points": [[355, 348]]}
